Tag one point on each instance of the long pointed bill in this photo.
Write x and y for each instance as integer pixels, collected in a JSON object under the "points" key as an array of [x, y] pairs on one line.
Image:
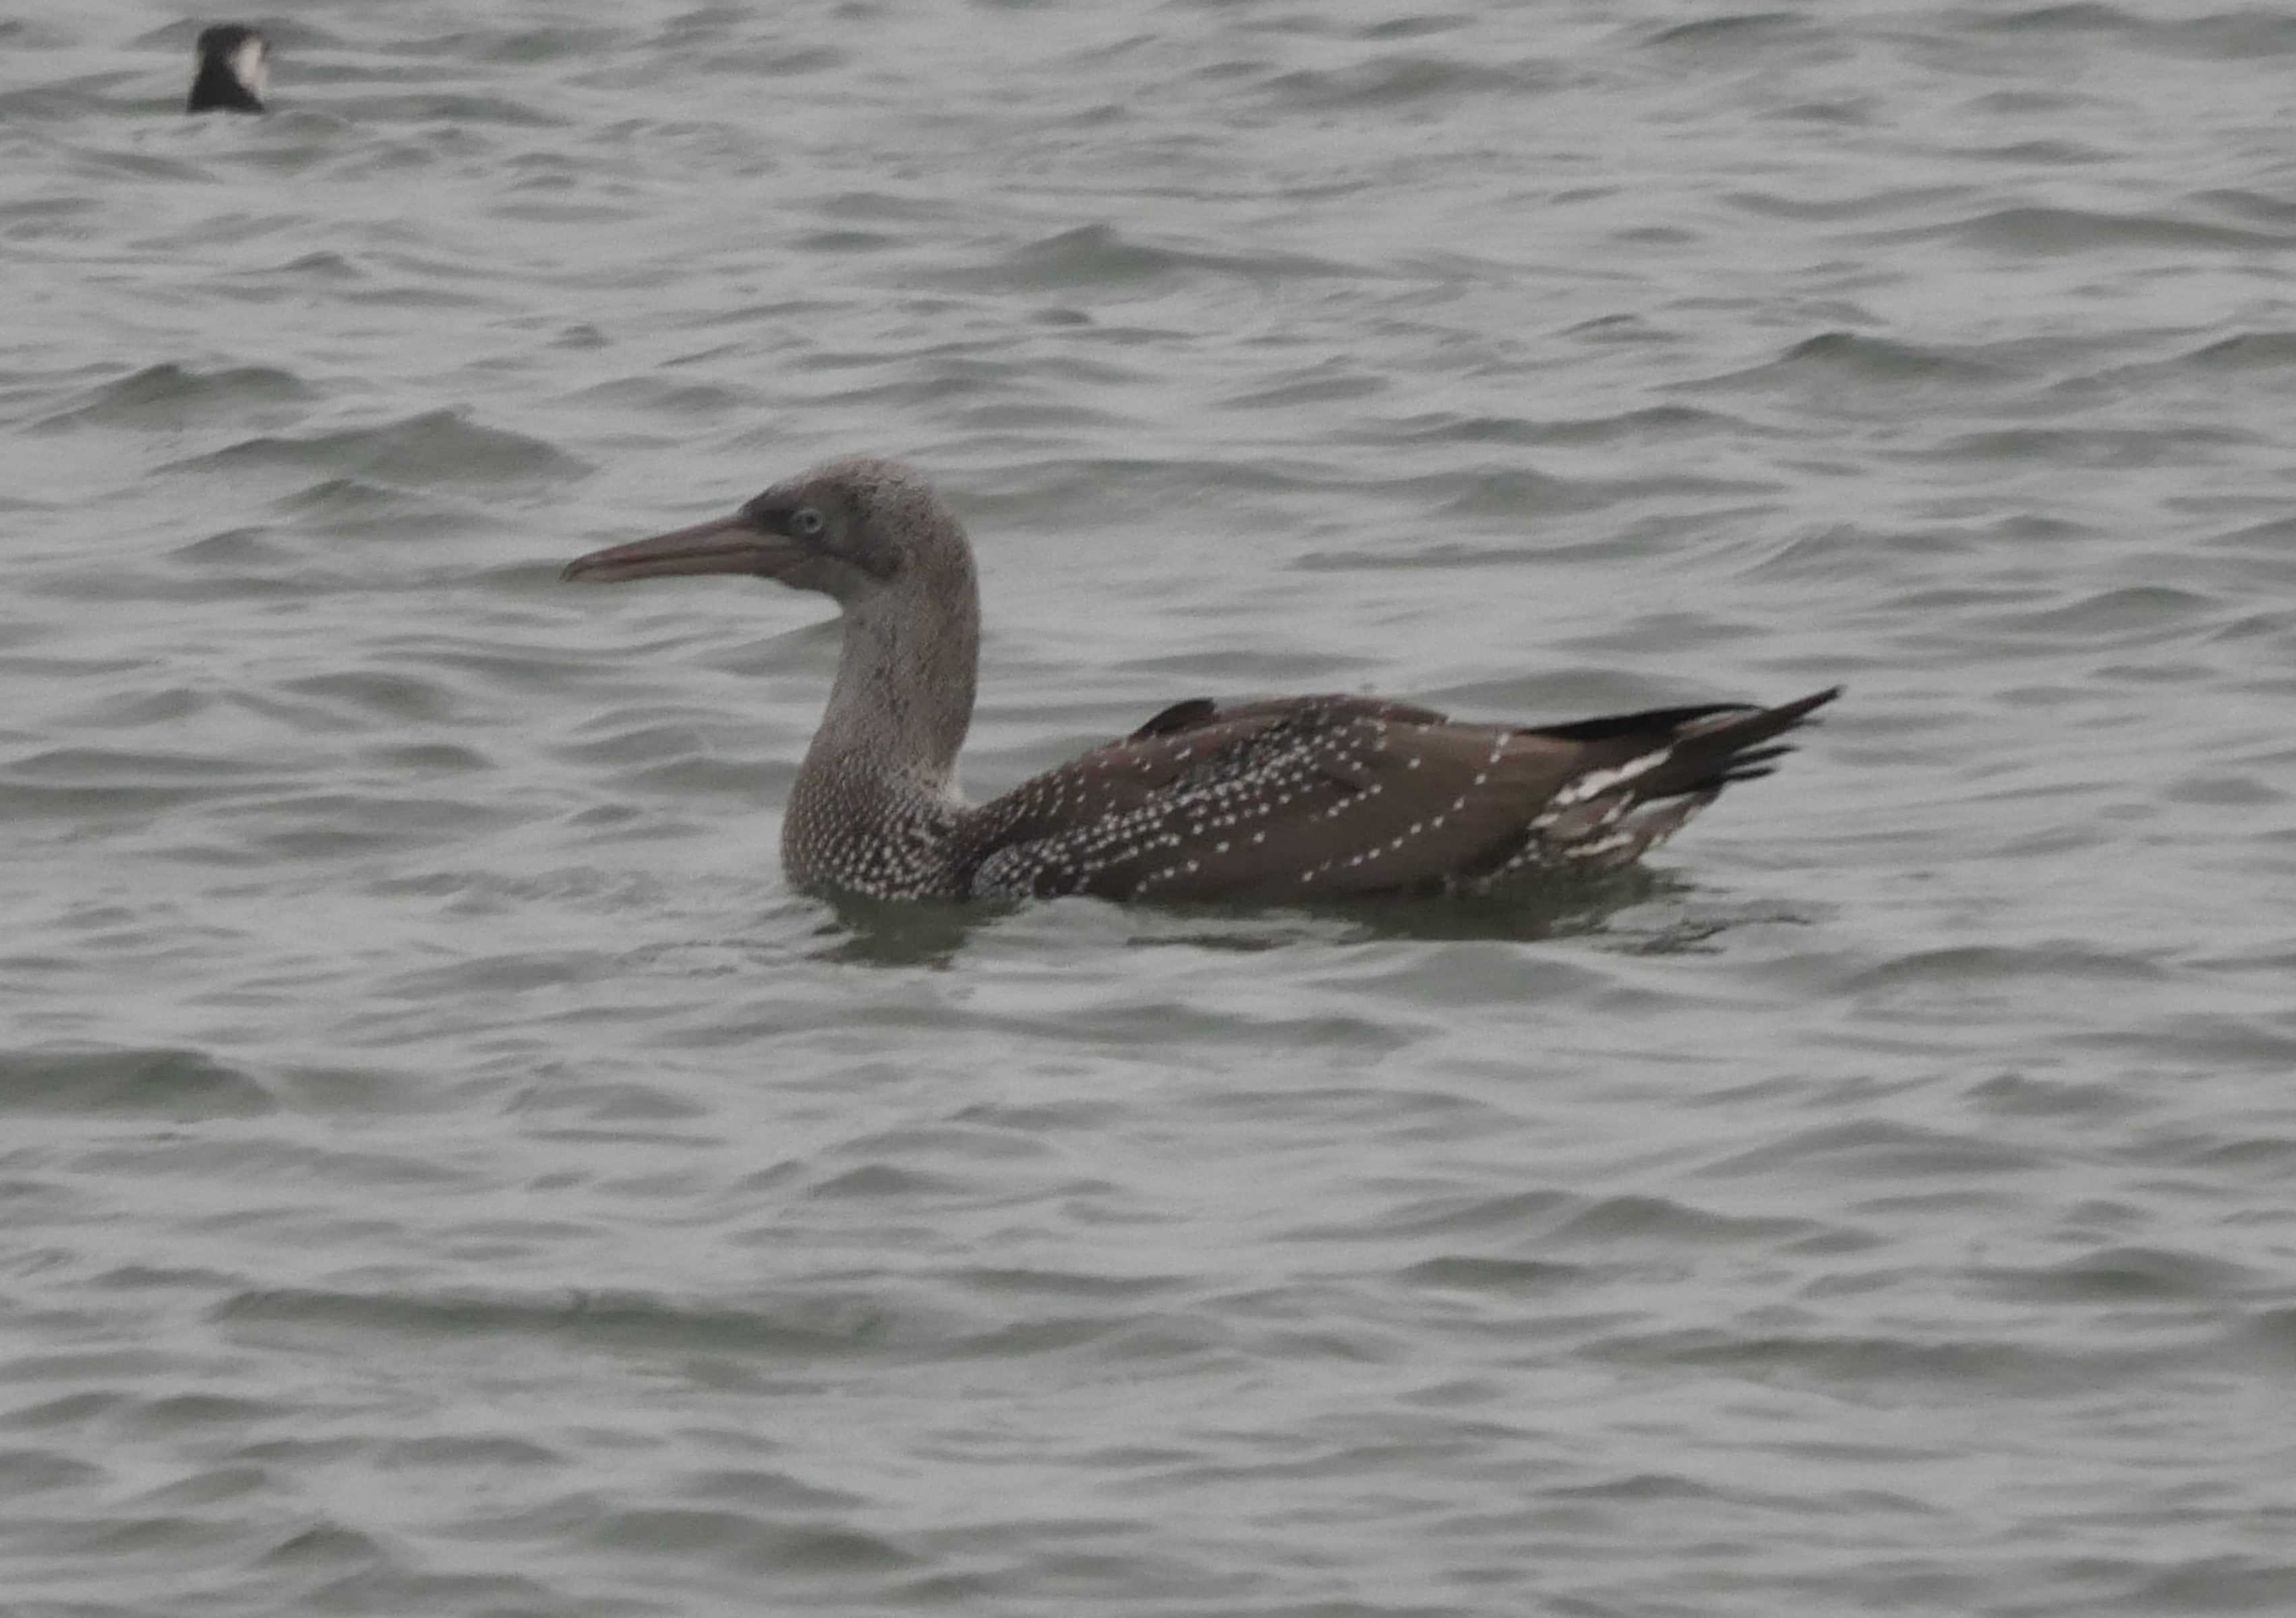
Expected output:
{"points": [[726, 545]]}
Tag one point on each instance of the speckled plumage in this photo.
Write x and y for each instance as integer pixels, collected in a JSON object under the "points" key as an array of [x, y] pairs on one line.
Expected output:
{"points": [[1289, 798]]}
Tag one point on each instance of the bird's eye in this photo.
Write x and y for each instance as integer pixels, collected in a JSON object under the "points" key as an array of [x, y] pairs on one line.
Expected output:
{"points": [[807, 523]]}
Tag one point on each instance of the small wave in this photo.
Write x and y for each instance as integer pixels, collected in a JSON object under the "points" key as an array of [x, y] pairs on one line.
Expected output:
{"points": [[744, 1540], [1398, 81], [2272, 351], [2124, 1275], [434, 447], [803, 1328], [1502, 1275], [2095, 447], [1654, 424], [2034, 230], [1882, 1148], [171, 396], [2242, 36], [2134, 615], [147, 1081], [441, 106], [1853, 358], [2083, 16], [1847, 1361], [1101, 256], [885, 1321], [1751, 30]]}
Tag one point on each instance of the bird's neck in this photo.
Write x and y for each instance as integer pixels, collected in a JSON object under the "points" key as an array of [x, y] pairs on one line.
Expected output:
{"points": [[876, 791]]}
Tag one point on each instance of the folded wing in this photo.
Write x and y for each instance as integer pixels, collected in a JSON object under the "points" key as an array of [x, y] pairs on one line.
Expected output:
{"points": [[1348, 795]]}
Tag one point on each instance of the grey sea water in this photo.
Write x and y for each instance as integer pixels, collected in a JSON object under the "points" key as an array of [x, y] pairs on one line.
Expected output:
{"points": [[444, 1168]]}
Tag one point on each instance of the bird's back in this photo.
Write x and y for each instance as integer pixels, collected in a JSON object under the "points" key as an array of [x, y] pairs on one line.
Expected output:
{"points": [[1346, 795]]}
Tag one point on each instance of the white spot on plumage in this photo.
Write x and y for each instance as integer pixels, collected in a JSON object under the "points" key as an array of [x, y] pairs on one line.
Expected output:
{"points": [[873, 812], [1595, 782]]}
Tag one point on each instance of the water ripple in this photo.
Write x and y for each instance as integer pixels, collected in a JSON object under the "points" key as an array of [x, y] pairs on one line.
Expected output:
{"points": [[451, 1170]]}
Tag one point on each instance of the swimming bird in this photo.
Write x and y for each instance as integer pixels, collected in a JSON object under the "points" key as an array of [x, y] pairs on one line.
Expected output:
{"points": [[231, 65], [1287, 799]]}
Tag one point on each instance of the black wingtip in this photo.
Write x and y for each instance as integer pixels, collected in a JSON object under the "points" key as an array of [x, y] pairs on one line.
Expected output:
{"points": [[1736, 747], [1810, 704]]}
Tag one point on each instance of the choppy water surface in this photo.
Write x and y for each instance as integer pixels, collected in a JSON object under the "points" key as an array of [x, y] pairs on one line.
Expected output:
{"points": [[444, 1168]]}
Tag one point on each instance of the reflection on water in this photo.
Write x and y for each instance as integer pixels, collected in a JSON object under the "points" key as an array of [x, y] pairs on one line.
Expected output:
{"points": [[875, 932], [870, 932]]}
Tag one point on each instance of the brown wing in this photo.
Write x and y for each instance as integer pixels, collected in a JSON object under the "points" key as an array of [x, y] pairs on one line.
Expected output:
{"points": [[1104, 785], [1118, 777], [1290, 802], [1296, 798]]}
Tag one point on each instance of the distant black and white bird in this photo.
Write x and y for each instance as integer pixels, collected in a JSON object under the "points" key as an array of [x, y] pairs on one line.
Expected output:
{"points": [[232, 60], [1292, 798]]}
